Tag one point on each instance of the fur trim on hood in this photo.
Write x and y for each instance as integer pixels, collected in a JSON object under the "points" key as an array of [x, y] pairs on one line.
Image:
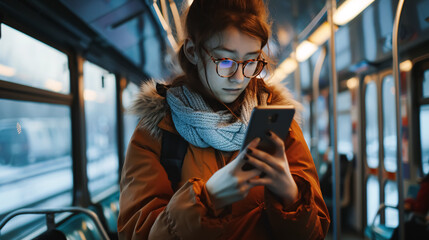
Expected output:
{"points": [[151, 107]]}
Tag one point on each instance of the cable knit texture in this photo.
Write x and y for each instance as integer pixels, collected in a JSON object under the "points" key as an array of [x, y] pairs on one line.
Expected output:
{"points": [[198, 124]]}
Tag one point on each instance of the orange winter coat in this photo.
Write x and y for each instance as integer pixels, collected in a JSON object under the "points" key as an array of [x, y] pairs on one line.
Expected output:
{"points": [[150, 209]]}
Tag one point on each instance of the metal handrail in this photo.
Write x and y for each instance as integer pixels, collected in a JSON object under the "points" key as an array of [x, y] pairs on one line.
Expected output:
{"points": [[333, 87], [177, 22], [399, 176], [50, 216], [312, 25], [380, 208], [162, 17]]}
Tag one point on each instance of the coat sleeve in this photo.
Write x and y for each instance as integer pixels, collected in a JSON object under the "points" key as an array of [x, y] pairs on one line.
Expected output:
{"points": [[308, 217], [149, 209]]}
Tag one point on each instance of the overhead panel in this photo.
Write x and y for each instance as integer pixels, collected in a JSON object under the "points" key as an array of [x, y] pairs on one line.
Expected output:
{"points": [[117, 21]]}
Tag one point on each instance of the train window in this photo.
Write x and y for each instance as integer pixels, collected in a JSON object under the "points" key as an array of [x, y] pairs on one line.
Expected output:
{"points": [[130, 120], [371, 114], [385, 20], [342, 47], [35, 148], [100, 114], [323, 122], [370, 33], [424, 137], [305, 72], [344, 123], [372, 198], [389, 123], [426, 84], [391, 196], [45, 67]]}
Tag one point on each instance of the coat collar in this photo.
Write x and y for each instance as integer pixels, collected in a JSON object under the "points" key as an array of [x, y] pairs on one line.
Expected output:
{"points": [[154, 113]]}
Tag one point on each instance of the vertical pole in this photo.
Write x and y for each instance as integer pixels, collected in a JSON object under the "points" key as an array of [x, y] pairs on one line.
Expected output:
{"points": [[331, 5], [396, 75], [81, 195], [121, 83]]}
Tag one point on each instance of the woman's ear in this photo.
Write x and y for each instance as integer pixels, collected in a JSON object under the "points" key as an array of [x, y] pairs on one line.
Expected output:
{"points": [[190, 51]]}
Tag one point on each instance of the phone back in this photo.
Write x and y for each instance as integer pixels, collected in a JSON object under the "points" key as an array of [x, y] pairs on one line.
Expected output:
{"points": [[276, 119]]}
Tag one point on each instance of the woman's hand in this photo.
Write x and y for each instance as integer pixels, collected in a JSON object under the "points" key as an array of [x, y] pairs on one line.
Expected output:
{"points": [[230, 183], [278, 178]]}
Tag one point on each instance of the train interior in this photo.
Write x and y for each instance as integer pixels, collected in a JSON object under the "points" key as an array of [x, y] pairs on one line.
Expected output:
{"points": [[70, 70]]}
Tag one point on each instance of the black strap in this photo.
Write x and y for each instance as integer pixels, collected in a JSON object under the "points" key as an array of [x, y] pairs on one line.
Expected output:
{"points": [[173, 150]]}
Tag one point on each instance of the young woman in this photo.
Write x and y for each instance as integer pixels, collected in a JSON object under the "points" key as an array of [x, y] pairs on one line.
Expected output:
{"points": [[209, 106]]}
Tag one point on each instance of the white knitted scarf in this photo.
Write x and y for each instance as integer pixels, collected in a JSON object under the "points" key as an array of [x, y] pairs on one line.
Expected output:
{"points": [[198, 124]]}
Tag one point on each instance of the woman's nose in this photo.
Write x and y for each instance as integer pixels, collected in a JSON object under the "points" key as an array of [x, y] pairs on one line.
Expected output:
{"points": [[238, 75]]}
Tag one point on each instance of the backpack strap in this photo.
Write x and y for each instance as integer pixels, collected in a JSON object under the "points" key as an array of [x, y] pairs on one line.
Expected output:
{"points": [[173, 150]]}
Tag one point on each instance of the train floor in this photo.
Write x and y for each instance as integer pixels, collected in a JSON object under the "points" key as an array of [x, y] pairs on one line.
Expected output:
{"points": [[346, 235]]}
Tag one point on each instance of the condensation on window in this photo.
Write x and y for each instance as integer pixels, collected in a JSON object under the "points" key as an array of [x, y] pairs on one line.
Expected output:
{"points": [[35, 149], [424, 138], [371, 131], [45, 68], [101, 128], [389, 124], [372, 199]]}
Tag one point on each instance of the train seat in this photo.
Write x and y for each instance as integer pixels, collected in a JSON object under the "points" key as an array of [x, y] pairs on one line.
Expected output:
{"points": [[80, 226], [346, 181], [377, 231], [108, 211]]}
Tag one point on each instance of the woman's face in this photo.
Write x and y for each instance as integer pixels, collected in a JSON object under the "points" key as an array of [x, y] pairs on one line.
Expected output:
{"points": [[235, 45]]}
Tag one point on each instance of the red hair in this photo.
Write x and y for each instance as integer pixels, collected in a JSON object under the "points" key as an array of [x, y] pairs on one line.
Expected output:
{"points": [[206, 18]]}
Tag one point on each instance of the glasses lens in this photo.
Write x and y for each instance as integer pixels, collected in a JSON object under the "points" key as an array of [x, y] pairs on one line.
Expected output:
{"points": [[253, 68], [226, 68]]}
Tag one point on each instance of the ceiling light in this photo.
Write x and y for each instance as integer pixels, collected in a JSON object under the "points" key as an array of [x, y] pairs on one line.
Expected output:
{"points": [[305, 50], [349, 10], [352, 83], [406, 66], [321, 34], [288, 65]]}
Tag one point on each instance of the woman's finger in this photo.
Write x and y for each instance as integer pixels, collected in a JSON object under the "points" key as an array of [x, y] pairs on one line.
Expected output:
{"points": [[260, 165], [265, 157], [249, 173], [278, 142], [260, 182]]}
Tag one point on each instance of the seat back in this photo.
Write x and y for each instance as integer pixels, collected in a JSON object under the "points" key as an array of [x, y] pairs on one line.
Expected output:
{"points": [[108, 211], [110, 207], [80, 226]]}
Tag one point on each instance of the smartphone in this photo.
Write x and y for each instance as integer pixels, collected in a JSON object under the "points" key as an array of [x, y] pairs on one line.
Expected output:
{"points": [[276, 119]]}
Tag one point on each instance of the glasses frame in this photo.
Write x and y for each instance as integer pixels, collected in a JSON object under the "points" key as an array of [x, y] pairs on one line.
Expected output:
{"points": [[244, 63]]}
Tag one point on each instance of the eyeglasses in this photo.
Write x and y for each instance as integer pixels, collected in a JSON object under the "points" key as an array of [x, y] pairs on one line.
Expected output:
{"points": [[227, 67]]}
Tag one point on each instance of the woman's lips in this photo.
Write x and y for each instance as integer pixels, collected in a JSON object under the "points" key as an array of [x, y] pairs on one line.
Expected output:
{"points": [[232, 90]]}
